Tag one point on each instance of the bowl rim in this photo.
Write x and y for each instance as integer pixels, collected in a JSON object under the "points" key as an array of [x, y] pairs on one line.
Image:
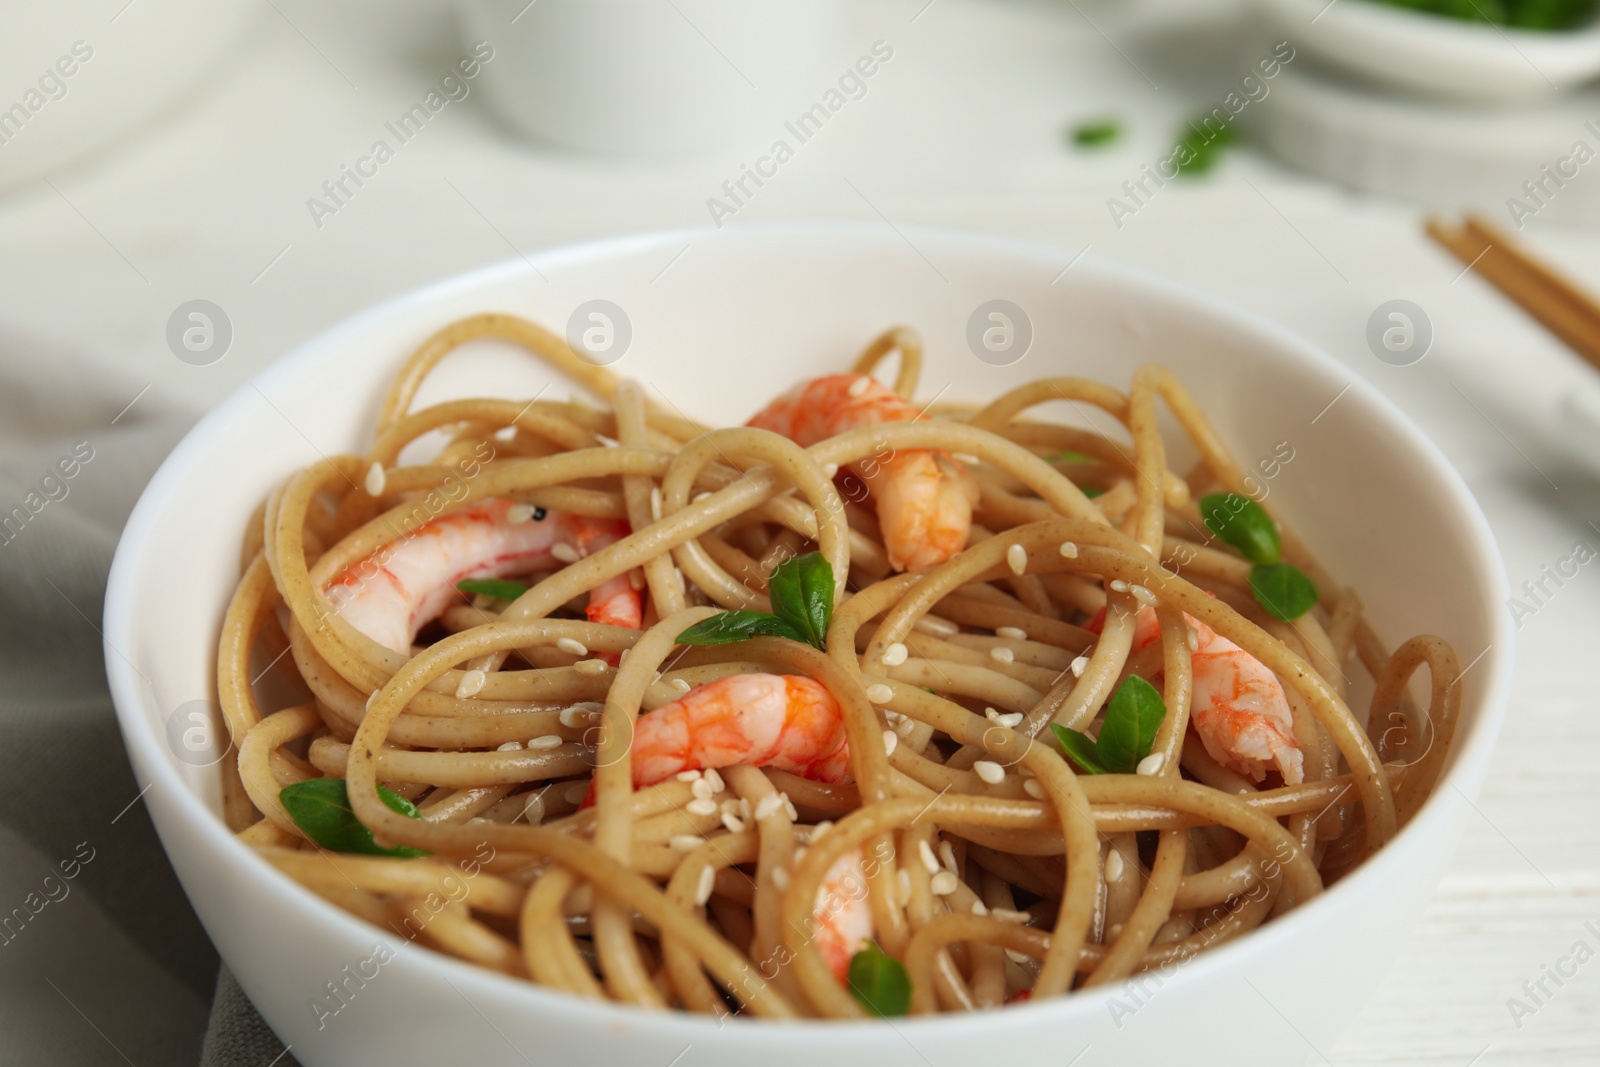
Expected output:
{"points": [[1465, 31], [1468, 762]]}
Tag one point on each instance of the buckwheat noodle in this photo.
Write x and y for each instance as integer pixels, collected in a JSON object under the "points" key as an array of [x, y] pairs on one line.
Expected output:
{"points": [[1061, 880]]}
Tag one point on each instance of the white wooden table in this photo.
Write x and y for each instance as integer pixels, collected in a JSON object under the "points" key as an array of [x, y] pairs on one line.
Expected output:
{"points": [[963, 128]]}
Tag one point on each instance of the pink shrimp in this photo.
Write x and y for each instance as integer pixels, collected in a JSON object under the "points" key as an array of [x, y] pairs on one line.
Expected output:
{"points": [[1238, 706], [924, 497], [407, 583], [767, 720]]}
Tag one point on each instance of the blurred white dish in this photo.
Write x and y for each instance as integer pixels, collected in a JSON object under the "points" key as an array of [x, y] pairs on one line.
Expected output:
{"points": [[745, 312], [75, 82], [625, 77], [1436, 56]]}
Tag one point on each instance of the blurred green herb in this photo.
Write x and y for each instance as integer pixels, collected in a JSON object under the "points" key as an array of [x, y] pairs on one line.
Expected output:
{"points": [[1096, 133], [499, 588], [879, 982], [321, 807], [1516, 14], [1201, 143]]}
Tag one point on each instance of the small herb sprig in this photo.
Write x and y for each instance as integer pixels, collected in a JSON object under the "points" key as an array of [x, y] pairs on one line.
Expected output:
{"points": [[499, 588], [1132, 718], [321, 807], [880, 982], [1284, 590], [801, 591]]}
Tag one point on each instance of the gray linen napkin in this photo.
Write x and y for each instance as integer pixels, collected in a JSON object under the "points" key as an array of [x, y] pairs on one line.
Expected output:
{"points": [[102, 961]]}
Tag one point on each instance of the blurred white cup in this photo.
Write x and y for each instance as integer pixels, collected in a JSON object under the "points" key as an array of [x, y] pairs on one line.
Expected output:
{"points": [[78, 76], [648, 77]]}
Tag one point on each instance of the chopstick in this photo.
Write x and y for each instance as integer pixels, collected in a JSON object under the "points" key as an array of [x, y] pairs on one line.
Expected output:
{"points": [[1560, 306]]}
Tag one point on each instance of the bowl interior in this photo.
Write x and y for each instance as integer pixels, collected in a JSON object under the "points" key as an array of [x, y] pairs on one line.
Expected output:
{"points": [[719, 323]]}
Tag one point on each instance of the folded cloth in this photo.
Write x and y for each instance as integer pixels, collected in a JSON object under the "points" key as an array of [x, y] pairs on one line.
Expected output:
{"points": [[101, 958]]}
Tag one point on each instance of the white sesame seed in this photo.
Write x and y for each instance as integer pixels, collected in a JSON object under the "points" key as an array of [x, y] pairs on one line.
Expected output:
{"points": [[1142, 595], [929, 860], [1002, 654], [943, 884], [904, 728], [979, 908], [685, 842], [708, 882], [590, 667], [879, 693], [895, 655], [1018, 957], [1069, 550], [989, 771], [544, 742], [564, 552], [1113, 932], [680, 685], [472, 683], [1007, 915], [699, 497], [576, 792], [902, 885], [1014, 719], [1114, 866], [572, 648], [1151, 765], [1118, 585], [947, 855], [731, 821], [830, 469], [859, 386], [928, 624], [509, 746], [518, 514], [780, 879], [1017, 559], [655, 503], [577, 716], [893, 718], [701, 806], [375, 480], [688, 776], [533, 810], [1193, 639], [1032, 787], [1080, 665], [890, 739], [701, 789], [637, 583], [717, 784], [1012, 633], [505, 433], [769, 806]]}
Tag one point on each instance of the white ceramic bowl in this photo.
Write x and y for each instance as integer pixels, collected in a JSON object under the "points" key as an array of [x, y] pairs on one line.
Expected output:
{"points": [[741, 314], [1435, 56]]}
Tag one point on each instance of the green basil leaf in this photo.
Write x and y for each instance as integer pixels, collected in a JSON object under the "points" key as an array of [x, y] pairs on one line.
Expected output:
{"points": [[1081, 747], [1242, 523], [321, 807], [1096, 133], [801, 590], [1135, 712], [499, 588], [1090, 491], [1283, 589], [1070, 457], [879, 982], [733, 626]]}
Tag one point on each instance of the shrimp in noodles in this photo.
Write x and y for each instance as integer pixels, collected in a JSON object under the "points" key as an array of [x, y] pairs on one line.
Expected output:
{"points": [[407, 583], [1238, 707], [924, 497], [767, 720]]}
